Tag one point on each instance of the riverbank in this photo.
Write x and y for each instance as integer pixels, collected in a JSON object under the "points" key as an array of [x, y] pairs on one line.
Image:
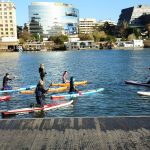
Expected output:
{"points": [[101, 133]]}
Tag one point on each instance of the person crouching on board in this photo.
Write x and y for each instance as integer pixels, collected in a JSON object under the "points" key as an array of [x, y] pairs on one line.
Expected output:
{"points": [[5, 82], [65, 77], [40, 93], [42, 71], [72, 86]]}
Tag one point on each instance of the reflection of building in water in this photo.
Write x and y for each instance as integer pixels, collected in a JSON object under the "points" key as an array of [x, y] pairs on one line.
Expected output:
{"points": [[34, 26], [53, 18]]}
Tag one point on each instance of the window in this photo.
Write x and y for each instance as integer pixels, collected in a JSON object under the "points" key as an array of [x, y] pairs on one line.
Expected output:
{"points": [[10, 21], [2, 33], [7, 33], [11, 29], [10, 13], [6, 29]]}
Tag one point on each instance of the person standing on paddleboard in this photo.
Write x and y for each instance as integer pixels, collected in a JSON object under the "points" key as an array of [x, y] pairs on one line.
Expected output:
{"points": [[40, 93], [72, 86], [5, 82], [65, 77], [42, 71]]}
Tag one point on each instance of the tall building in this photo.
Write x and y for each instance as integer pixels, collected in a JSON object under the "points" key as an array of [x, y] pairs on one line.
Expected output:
{"points": [[8, 27], [86, 25], [53, 18], [132, 15]]}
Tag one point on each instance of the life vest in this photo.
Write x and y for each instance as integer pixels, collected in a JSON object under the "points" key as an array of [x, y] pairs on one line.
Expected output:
{"points": [[38, 92]]}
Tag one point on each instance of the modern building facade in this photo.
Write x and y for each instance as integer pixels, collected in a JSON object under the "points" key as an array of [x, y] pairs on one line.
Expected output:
{"points": [[8, 27], [132, 15], [53, 18], [86, 25]]}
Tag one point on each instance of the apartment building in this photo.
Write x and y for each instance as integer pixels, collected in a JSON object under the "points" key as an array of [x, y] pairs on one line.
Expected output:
{"points": [[8, 27], [86, 25]]}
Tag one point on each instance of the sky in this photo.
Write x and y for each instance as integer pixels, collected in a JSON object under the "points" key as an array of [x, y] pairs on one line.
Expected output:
{"points": [[98, 9]]}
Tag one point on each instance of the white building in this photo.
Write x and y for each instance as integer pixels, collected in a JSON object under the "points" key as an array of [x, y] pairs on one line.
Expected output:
{"points": [[86, 25], [131, 44]]}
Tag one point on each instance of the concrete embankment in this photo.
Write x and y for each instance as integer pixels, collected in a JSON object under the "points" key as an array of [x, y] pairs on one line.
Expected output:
{"points": [[103, 133]]}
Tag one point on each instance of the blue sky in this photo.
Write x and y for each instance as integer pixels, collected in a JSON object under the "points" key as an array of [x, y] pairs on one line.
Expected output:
{"points": [[98, 9]]}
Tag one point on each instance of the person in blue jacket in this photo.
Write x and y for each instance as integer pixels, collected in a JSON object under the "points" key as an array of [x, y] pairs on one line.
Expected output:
{"points": [[40, 93]]}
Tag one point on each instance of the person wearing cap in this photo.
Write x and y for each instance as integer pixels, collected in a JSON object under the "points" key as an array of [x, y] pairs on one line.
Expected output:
{"points": [[42, 71], [5, 82], [72, 86], [65, 77], [40, 93]]}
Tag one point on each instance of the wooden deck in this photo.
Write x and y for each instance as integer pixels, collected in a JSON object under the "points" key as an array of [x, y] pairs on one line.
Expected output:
{"points": [[103, 133]]}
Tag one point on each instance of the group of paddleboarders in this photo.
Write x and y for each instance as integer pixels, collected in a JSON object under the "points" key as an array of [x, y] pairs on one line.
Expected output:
{"points": [[40, 91]]}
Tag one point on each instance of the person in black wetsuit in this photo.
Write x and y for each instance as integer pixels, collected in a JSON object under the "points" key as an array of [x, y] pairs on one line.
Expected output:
{"points": [[42, 71], [5, 82], [72, 87], [40, 93]]}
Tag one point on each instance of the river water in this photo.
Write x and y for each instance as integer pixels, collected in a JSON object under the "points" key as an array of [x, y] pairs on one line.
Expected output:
{"points": [[101, 68]]}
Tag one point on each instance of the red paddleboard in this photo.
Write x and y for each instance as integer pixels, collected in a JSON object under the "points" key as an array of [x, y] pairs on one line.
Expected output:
{"points": [[34, 109], [4, 98]]}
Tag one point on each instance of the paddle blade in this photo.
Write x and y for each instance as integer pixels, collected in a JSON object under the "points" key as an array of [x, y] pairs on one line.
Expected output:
{"points": [[57, 97]]}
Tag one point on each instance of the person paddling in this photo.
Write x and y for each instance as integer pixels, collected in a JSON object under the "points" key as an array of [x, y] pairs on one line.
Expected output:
{"points": [[42, 71], [5, 82], [65, 77], [40, 93], [72, 86]]}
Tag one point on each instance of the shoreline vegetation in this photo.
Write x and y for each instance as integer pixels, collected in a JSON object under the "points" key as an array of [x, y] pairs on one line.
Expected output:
{"points": [[62, 47]]}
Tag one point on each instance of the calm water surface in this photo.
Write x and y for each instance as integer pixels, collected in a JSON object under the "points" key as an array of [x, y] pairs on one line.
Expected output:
{"points": [[106, 68]]}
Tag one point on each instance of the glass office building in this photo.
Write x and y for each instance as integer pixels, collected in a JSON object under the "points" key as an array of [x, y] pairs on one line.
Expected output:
{"points": [[53, 18]]}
